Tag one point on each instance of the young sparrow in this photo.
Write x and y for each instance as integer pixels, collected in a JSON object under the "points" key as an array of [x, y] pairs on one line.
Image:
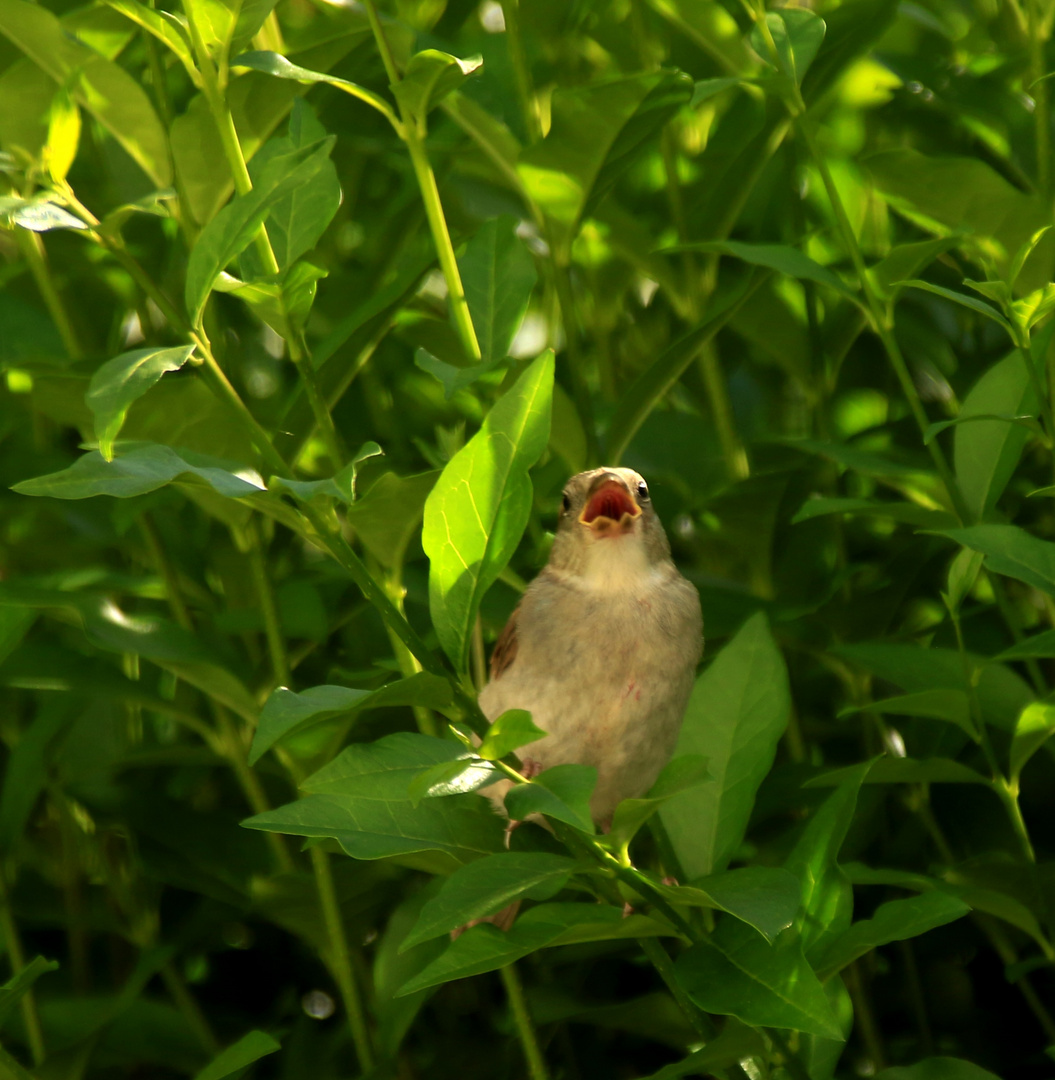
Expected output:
{"points": [[603, 647]]}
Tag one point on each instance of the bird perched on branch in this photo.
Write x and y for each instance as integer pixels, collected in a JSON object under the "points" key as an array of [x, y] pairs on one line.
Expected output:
{"points": [[603, 647]]}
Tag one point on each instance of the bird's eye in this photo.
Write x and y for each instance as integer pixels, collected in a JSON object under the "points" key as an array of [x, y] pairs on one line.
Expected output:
{"points": [[642, 493], [565, 504]]}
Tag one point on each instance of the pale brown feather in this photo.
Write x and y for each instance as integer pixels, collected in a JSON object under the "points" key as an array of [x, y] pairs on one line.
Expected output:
{"points": [[505, 649]]}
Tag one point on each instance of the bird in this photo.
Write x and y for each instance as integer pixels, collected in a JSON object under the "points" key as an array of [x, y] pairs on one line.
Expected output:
{"points": [[603, 646]]}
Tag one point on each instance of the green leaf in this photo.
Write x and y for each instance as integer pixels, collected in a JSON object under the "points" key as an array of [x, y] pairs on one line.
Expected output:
{"points": [[37, 214], [797, 35], [485, 948], [1035, 726], [498, 274], [26, 773], [736, 1043], [466, 773], [735, 972], [476, 513], [896, 920], [1031, 309], [101, 87], [891, 770], [142, 467], [738, 710], [340, 486], [12, 991], [233, 1061], [429, 77], [779, 257], [387, 516], [951, 705], [233, 228], [283, 300], [170, 33], [1039, 646], [510, 731], [905, 261], [910, 513], [596, 131], [679, 774], [456, 378], [963, 300], [1011, 551], [938, 1068], [965, 195], [827, 898], [985, 454], [273, 64], [301, 216], [561, 792], [483, 887], [1028, 422], [764, 897], [704, 89], [123, 380], [285, 712]]}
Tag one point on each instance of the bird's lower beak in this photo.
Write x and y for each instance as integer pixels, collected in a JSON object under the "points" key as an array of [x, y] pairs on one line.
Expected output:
{"points": [[610, 510]]}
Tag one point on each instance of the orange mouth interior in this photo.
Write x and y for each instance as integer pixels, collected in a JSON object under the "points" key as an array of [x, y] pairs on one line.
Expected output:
{"points": [[609, 501]]}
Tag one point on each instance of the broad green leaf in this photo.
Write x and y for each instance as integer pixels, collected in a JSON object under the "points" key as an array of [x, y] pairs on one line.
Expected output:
{"points": [[283, 300], [387, 516], [64, 133], [12, 991], [1024, 253], [476, 513], [456, 378], [653, 384], [938, 1068], [910, 513], [705, 89], [1035, 726], [737, 712], [465, 773], [169, 32], [1011, 551], [679, 774], [498, 274], [891, 770], [963, 300], [377, 826], [340, 486], [483, 887], [764, 897], [736, 1043], [227, 25], [285, 712], [951, 705], [709, 26], [233, 228], [985, 454], [905, 261], [1028, 422], [429, 77], [1031, 309], [827, 897], [101, 87], [779, 257], [1039, 646], [485, 948], [299, 218], [509, 732], [233, 1061], [272, 64], [123, 380], [966, 195], [963, 573], [797, 35], [561, 792], [896, 920], [1001, 693], [596, 132], [735, 972], [142, 467]]}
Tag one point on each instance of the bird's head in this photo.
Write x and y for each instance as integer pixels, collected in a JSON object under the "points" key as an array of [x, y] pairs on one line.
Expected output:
{"points": [[608, 531]]}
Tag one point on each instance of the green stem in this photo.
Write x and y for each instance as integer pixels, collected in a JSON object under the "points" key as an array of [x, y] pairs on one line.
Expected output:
{"points": [[1024, 351], [276, 643], [33, 252], [216, 99], [408, 664], [1035, 37], [164, 567], [189, 1007], [1007, 792], [13, 943], [301, 358], [580, 390], [522, 1020], [733, 453], [430, 195], [660, 960], [340, 959], [525, 88]]}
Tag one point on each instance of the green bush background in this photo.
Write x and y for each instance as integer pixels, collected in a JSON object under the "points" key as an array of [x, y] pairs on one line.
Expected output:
{"points": [[307, 312]]}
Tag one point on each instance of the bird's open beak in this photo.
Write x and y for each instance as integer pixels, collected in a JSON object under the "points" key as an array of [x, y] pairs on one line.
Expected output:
{"points": [[611, 509]]}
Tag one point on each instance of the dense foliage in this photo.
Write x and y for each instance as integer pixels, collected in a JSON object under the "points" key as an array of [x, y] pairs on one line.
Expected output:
{"points": [[308, 311]]}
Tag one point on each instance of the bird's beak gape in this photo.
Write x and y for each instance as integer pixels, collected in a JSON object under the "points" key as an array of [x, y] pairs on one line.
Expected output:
{"points": [[610, 510]]}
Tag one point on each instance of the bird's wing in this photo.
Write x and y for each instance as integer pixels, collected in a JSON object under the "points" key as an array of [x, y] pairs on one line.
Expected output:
{"points": [[505, 649]]}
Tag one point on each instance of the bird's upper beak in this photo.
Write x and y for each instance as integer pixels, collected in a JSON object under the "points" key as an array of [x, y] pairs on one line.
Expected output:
{"points": [[611, 508]]}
